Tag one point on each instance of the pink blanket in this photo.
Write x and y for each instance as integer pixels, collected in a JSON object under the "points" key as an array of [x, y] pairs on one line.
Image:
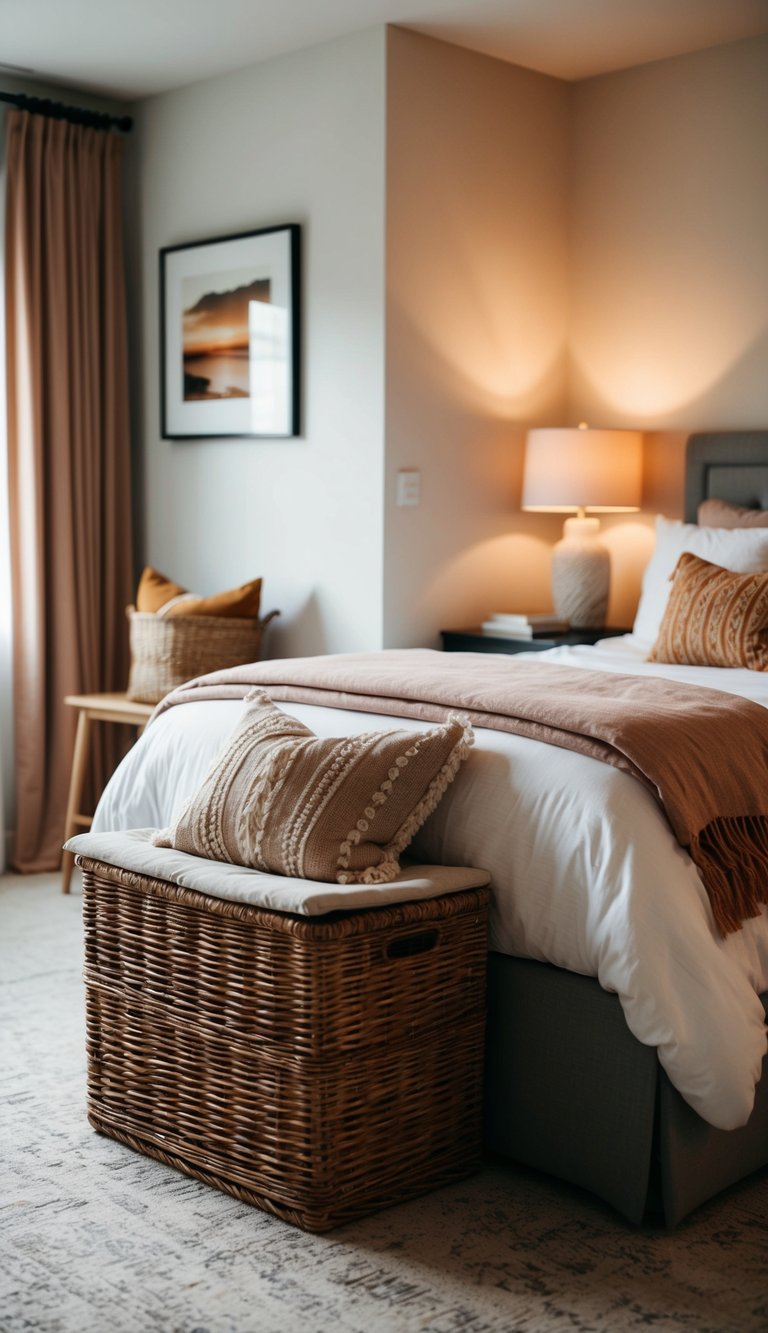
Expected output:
{"points": [[702, 753]]}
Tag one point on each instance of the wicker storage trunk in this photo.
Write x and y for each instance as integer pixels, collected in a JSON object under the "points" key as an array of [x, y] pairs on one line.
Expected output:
{"points": [[166, 651], [319, 1069]]}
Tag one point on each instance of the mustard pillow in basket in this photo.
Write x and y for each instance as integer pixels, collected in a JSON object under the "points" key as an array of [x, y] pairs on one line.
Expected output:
{"points": [[155, 591], [161, 596], [284, 800]]}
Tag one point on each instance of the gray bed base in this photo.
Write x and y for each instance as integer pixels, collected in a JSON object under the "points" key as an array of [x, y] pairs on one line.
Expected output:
{"points": [[569, 1090]]}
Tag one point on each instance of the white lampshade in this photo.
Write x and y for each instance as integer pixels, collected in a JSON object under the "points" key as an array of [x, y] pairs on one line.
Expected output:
{"points": [[567, 469]]}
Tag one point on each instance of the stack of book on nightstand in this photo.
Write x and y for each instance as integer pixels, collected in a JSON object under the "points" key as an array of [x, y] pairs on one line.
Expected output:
{"points": [[505, 625]]}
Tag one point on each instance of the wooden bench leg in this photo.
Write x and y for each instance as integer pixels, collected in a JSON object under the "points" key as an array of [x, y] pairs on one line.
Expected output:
{"points": [[77, 781]]}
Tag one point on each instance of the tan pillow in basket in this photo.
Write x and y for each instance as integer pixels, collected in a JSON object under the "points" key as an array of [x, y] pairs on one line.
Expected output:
{"points": [[714, 618], [339, 810], [160, 595]]}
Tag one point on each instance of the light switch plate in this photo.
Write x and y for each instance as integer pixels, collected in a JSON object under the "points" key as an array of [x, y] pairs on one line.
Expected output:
{"points": [[408, 487]]}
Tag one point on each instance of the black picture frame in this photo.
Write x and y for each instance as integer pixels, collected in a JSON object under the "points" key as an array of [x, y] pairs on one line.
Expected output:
{"points": [[230, 336]]}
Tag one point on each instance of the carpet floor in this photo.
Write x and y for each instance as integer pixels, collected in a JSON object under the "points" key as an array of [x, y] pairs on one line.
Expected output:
{"points": [[98, 1239]]}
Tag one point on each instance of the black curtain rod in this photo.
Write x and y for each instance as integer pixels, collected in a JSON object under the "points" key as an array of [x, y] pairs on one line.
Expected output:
{"points": [[76, 115]]}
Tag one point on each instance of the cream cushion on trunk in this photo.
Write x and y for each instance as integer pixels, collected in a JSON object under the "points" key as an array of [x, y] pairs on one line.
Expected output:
{"points": [[133, 850], [281, 799]]}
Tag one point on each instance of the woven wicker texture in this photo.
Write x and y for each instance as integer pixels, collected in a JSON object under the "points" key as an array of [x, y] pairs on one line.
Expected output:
{"points": [[318, 1070], [166, 651]]}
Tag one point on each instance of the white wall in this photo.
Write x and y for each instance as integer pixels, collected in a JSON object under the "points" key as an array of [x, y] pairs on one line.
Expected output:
{"points": [[299, 139], [476, 328]]}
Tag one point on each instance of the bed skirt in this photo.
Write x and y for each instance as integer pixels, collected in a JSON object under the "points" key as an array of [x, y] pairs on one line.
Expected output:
{"points": [[570, 1091]]}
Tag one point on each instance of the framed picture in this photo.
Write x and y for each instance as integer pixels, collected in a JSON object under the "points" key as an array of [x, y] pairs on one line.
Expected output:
{"points": [[229, 336]]}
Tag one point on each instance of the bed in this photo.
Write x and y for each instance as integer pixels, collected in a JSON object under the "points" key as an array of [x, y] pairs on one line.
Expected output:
{"points": [[590, 1080]]}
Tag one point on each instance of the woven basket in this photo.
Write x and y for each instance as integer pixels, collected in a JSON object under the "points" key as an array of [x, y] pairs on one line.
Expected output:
{"points": [[166, 651], [318, 1069]]}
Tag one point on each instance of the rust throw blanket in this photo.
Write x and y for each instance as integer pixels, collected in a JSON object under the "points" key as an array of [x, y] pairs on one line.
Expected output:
{"points": [[702, 753]]}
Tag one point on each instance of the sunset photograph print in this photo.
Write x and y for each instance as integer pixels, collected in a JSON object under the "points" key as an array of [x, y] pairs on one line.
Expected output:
{"points": [[215, 333]]}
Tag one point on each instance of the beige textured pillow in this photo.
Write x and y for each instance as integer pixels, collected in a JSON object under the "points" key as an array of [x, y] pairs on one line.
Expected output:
{"points": [[714, 618], [722, 514], [333, 809]]}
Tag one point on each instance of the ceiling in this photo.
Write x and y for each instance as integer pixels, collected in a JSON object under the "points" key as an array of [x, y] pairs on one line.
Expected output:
{"points": [[135, 49]]}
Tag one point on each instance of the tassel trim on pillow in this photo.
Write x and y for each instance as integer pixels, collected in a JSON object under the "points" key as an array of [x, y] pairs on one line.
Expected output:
{"points": [[389, 868]]}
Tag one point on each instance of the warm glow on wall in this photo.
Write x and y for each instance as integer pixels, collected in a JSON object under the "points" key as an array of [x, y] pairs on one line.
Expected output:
{"points": [[669, 266], [477, 246], [477, 354], [649, 378], [509, 572]]}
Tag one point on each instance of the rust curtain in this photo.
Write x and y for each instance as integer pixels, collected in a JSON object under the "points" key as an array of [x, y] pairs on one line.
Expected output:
{"points": [[68, 452]]}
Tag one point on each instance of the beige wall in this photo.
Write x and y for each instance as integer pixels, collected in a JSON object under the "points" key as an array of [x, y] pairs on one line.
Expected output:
{"points": [[668, 325], [299, 139], [476, 326], [558, 253], [669, 252]]}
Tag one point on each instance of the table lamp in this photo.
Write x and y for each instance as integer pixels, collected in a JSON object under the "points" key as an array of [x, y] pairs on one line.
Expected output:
{"points": [[573, 470]]}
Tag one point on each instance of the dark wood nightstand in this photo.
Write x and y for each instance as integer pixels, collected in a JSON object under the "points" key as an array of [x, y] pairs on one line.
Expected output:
{"points": [[476, 640]]}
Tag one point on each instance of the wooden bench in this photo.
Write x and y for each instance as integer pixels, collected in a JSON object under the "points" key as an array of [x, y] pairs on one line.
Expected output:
{"points": [[93, 708]]}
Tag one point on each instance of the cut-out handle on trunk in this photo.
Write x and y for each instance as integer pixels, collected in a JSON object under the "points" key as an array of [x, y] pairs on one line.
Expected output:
{"points": [[411, 945]]}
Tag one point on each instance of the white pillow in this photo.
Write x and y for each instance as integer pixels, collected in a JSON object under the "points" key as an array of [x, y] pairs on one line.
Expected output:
{"points": [[742, 550]]}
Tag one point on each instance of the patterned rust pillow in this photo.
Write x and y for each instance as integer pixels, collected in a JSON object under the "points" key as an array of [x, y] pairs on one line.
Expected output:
{"points": [[338, 810], [714, 618]]}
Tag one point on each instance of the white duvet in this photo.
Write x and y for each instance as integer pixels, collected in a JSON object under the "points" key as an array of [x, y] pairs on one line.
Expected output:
{"points": [[585, 871]]}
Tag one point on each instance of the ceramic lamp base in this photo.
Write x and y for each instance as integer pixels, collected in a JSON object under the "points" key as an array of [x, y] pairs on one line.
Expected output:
{"points": [[581, 573]]}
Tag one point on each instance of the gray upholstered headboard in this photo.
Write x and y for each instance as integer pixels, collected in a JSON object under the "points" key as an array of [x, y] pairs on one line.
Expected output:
{"points": [[726, 465]]}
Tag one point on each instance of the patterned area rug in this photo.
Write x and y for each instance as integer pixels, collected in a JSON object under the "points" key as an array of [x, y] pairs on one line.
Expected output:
{"points": [[96, 1238]]}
